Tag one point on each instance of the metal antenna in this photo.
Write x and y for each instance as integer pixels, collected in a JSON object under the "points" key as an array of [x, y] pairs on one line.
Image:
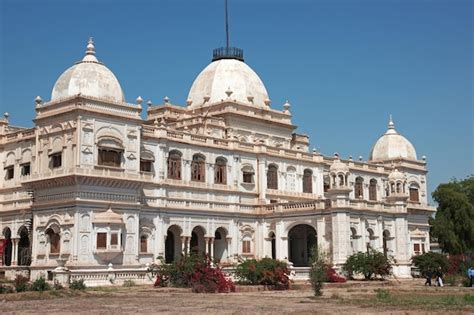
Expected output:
{"points": [[226, 25]]}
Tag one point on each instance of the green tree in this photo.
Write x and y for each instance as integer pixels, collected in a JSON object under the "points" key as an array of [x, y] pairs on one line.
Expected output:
{"points": [[371, 263], [453, 224], [430, 262], [317, 273]]}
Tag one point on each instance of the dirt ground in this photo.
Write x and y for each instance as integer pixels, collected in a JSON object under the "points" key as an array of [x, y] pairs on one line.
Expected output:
{"points": [[406, 297]]}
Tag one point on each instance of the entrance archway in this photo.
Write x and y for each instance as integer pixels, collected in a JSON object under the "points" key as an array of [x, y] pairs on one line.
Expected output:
{"points": [[273, 243], [24, 256], [7, 247], [220, 245], [301, 239], [197, 244], [173, 244]]}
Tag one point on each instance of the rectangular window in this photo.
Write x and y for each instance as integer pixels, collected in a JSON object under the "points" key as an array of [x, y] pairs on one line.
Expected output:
{"points": [[114, 240], [9, 172], [247, 177], [145, 166], [25, 169], [101, 240], [111, 158], [416, 248], [56, 160], [143, 244], [246, 247]]}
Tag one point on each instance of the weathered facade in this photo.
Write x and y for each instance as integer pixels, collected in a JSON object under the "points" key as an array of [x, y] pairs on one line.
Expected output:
{"points": [[95, 187]]}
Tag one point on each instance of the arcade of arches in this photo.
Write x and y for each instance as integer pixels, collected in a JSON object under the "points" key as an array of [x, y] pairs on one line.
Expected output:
{"points": [[16, 250], [177, 245]]}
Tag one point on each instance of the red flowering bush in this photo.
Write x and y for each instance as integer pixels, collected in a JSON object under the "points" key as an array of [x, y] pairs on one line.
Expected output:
{"points": [[194, 272], [332, 276], [267, 271]]}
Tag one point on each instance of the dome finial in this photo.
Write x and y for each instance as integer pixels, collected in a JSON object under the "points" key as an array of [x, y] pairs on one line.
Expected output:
{"points": [[90, 47], [90, 52], [391, 125]]}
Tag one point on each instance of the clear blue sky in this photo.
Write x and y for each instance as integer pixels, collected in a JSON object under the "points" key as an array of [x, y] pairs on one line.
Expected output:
{"points": [[343, 65]]}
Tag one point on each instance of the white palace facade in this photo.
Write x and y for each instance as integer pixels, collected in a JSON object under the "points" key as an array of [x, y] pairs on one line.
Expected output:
{"points": [[94, 189]]}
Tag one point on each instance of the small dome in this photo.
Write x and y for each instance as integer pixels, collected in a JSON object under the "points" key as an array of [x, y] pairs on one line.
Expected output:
{"points": [[88, 77], [392, 145], [338, 167], [227, 78], [396, 175]]}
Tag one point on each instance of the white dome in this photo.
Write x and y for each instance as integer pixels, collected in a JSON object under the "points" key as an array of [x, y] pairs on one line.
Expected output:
{"points": [[392, 145], [88, 77], [228, 78]]}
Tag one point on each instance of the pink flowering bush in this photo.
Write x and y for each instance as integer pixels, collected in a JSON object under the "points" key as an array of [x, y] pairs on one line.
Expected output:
{"points": [[194, 272]]}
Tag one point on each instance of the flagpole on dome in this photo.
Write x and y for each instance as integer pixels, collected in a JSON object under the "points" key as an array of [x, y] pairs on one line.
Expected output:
{"points": [[227, 52]]}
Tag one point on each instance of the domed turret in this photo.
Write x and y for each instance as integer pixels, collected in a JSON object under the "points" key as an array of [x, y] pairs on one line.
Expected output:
{"points": [[88, 77], [228, 77], [339, 173], [392, 145]]}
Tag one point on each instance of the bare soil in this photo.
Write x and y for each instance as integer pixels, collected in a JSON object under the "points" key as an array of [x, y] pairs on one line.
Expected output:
{"points": [[388, 297]]}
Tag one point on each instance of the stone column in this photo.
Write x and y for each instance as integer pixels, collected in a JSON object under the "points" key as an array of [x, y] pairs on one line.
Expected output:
{"points": [[229, 247], [15, 251], [207, 245], [340, 237], [261, 179], [211, 241]]}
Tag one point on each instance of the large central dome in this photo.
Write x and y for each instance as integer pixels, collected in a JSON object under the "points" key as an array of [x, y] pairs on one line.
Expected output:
{"points": [[228, 78], [88, 77], [392, 145]]}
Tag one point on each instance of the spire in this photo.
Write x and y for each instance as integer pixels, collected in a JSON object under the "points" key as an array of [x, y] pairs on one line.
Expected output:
{"points": [[391, 126], [227, 52], [90, 51]]}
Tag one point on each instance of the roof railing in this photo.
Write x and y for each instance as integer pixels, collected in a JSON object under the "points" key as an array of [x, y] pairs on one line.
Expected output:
{"points": [[228, 53]]}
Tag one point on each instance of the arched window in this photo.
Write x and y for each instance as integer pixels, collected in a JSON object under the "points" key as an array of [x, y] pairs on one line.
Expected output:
{"points": [[272, 177], [54, 241], [291, 179], [174, 165], [198, 172], [414, 193], [220, 171], [399, 188], [370, 239], [308, 181], [359, 188], [373, 189], [143, 243]]}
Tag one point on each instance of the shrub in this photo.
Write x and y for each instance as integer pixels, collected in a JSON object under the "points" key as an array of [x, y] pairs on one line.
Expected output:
{"points": [[318, 271], [332, 276], [431, 262], [194, 271], [21, 283], [40, 285], [57, 285], [371, 263], [77, 285], [128, 283], [266, 271], [5, 288]]}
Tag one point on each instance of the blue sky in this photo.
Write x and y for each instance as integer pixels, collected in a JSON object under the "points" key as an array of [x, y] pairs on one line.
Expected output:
{"points": [[343, 65]]}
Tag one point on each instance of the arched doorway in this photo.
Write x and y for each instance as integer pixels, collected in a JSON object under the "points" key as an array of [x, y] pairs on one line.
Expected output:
{"points": [[220, 245], [198, 243], [24, 256], [173, 244], [7, 247], [273, 244], [301, 239]]}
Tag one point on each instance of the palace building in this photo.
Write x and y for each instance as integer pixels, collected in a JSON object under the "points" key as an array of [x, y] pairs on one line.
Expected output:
{"points": [[95, 191]]}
